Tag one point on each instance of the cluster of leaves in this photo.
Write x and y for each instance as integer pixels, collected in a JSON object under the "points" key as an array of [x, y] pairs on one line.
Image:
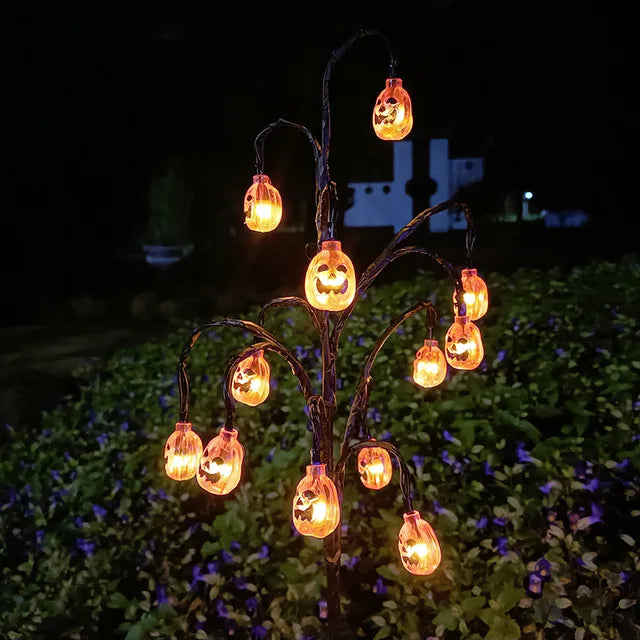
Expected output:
{"points": [[527, 468]]}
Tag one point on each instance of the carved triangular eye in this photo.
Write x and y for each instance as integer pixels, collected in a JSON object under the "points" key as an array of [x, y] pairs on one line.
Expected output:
{"points": [[342, 268], [323, 267]]}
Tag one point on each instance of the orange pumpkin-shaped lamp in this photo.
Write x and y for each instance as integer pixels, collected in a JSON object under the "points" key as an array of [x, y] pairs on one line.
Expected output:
{"points": [[475, 295], [316, 510], [330, 282], [221, 463], [374, 467], [418, 545], [182, 452], [250, 383], [262, 205], [392, 115], [429, 366], [463, 344]]}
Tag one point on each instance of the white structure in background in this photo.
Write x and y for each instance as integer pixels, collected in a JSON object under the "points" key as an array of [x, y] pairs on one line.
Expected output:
{"points": [[383, 204]]}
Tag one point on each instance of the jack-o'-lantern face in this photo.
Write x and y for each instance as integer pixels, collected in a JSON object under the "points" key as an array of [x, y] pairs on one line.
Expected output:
{"points": [[463, 344], [392, 114], [429, 366], [418, 545], [475, 294], [374, 467], [221, 463], [262, 205], [182, 452], [251, 380], [316, 510], [330, 282]]}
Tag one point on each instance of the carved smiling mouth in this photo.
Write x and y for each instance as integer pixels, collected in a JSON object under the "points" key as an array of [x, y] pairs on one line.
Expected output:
{"points": [[335, 289]]}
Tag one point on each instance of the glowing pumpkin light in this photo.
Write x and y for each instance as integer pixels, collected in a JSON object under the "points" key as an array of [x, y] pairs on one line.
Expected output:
{"points": [[463, 344], [392, 114], [330, 281], [430, 365], [251, 380], [182, 452], [316, 509], [475, 294], [418, 545], [374, 467], [221, 463], [262, 205]]}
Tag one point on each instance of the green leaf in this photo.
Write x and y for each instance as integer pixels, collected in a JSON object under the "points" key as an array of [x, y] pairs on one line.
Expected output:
{"points": [[472, 606], [379, 620], [447, 619], [563, 603], [509, 597], [383, 633], [503, 628], [628, 539], [117, 601], [625, 603]]}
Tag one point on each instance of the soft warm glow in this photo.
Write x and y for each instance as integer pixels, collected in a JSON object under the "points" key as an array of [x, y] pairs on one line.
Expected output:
{"points": [[262, 205], [392, 115], [221, 463], [251, 380], [182, 452], [330, 282], [429, 366], [463, 344], [316, 510], [475, 296], [374, 467], [418, 545]]}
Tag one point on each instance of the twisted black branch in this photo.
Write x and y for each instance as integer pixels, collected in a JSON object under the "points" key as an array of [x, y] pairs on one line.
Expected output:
{"points": [[251, 327], [290, 301], [406, 479], [281, 122], [357, 413]]}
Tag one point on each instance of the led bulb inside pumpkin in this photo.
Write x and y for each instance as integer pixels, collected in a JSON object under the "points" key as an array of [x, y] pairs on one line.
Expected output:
{"points": [[392, 114], [463, 346], [251, 380], [330, 281], [475, 294], [221, 463], [262, 205], [430, 365], [418, 545], [374, 467], [316, 509], [182, 452]]}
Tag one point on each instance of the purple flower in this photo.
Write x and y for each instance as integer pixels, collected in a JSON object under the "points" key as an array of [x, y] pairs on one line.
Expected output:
{"points": [[102, 439], [418, 461], [499, 522], [124, 426], [502, 354], [446, 457], [386, 436], [522, 453], [379, 587], [481, 523], [360, 341], [436, 507], [623, 464], [374, 414], [269, 456], [251, 606], [502, 545], [546, 488], [239, 582], [259, 631], [447, 436], [596, 513], [85, 546], [592, 485], [196, 576], [516, 324], [560, 352], [352, 562], [161, 594], [213, 567], [264, 551], [55, 474], [221, 609], [273, 383], [400, 331], [98, 511], [78, 521], [39, 537], [234, 546], [226, 557], [624, 576], [488, 471], [543, 567], [323, 610], [534, 584], [164, 402]]}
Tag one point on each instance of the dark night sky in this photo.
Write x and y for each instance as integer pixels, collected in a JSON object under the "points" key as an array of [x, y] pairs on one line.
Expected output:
{"points": [[100, 94]]}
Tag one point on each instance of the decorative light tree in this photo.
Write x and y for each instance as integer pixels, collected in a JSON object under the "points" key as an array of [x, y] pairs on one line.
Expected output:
{"points": [[332, 293]]}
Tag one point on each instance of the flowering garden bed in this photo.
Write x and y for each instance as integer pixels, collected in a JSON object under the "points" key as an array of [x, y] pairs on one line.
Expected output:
{"points": [[527, 468]]}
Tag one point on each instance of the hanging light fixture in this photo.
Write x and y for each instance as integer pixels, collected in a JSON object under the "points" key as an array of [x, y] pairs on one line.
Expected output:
{"points": [[251, 380], [475, 294], [262, 205], [316, 508], [463, 344], [374, 467], [418, 545], [182, 452], [430, 365], [330, 281], [221, 463], [392, 114]]}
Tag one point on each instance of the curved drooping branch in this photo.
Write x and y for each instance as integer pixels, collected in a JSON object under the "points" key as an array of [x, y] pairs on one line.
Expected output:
{"points": [[287, 301], [406, 479], [357, 413], [390, 253], [323, 179], [256, 330], [281, 122]]}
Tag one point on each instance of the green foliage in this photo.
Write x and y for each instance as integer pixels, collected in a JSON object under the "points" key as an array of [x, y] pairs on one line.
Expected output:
{"points": [[527, 468]]}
